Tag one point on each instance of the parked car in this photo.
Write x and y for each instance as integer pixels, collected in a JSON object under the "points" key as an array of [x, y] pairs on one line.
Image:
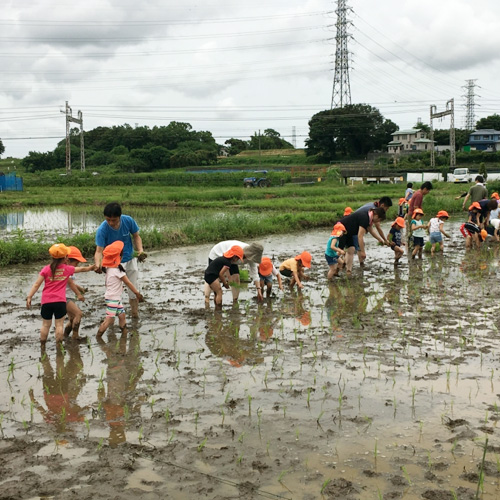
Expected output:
{"points": [[462, 175], [249, 182]]}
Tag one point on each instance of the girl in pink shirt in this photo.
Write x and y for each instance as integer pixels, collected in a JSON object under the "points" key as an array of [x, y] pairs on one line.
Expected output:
{"points": [[115, 278], [55, 277]]}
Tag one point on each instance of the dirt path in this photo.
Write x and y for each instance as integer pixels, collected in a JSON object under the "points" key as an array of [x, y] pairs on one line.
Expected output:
{"points": [[381, 386]]}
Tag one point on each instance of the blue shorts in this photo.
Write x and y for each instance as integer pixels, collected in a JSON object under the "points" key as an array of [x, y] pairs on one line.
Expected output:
{"points": [[331, 260], [436, 237], [418, 241], [266, 279]]}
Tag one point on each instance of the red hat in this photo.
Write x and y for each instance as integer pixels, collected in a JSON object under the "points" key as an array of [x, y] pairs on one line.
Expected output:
{"points": [[418, 211], [265, 266], [442, 213], [347, 211], [75, 254], [112, 254], [305, 258], [402, 200], [234, 251], [399, 221], [496, 196], [475, 205], [338, 229]]}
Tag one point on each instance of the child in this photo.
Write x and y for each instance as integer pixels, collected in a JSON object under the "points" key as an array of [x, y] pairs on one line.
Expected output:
{"points": [[402, 207], [266, 273], [216, 271], [418, 231], [294, 268], [72, 310], [395, 236], [333, 250], [55, 277], [115, 278], [436, 229]]}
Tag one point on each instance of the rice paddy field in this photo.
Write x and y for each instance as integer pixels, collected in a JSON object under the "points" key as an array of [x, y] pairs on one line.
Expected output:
{"points": [[381, 386]]}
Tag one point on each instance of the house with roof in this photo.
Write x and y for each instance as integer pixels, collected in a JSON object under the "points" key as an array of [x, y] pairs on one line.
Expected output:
{"points": [[409, 141], [486, 139]]}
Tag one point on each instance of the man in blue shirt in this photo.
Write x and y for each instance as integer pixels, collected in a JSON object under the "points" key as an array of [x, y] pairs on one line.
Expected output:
{"points": [[118, 227]]}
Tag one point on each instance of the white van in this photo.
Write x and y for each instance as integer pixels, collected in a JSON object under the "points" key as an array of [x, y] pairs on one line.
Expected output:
{"points": [[462, 175]]}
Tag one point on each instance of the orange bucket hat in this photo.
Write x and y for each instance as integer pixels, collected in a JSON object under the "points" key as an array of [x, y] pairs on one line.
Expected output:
{"points": [[402, 200], [59, 251], [112, 254], [475, 205], [495, 196], [338, 229], [484, 234], [399, 221], [75, 254], [418, 211], [347, 211], [305, 258], [265, 266], [443, 213], [234, 251]]}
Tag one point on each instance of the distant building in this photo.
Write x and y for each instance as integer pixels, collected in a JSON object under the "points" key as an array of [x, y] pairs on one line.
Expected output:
{"points": [[486, 139], [409, 141]]}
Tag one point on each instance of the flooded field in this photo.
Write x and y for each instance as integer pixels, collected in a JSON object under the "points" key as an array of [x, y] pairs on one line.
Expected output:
{"points": [[381, 386], [49, 223]]}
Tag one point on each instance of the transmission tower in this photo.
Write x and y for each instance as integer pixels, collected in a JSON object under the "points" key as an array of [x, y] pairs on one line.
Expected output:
{"points": [[341, 93], [69, 118], [470, 122], [450, 110]]}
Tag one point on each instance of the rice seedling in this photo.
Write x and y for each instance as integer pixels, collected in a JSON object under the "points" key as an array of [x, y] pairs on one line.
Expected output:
{"points": [[141, 431], [202, 444], [326, 482], [282, 475], [249, 397], [126, 412], [407, 477], [480, 482], [170, 439], [100, 444], [87, 425]]}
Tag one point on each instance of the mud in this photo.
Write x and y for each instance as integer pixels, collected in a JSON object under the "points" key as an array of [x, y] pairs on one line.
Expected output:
{"points": [[379, 386]]}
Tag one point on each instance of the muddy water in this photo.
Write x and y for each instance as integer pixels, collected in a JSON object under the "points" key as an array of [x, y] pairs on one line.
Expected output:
{"points": [[379, 386]]}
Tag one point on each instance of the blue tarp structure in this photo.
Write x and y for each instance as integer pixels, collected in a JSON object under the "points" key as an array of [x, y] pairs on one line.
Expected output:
{"points": [[10, 182]]}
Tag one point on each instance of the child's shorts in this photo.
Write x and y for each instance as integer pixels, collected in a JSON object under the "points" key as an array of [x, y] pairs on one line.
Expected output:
{"points": [[286, 272], [331, 260], [210, 278], [114, 308], [436, 237], [56, 309], [266, 279], [418, 241]]}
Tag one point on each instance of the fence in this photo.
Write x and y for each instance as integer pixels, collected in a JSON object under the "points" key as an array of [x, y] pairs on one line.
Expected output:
{"points": [[10, 182]]}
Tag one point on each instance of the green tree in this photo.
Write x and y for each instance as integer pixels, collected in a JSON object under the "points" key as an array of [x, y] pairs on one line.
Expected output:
{"points": [[442, 137], [492, 121], [236, 146], [351, 131], [39, 161], [271, 139], [423, 126], [2, 148]]}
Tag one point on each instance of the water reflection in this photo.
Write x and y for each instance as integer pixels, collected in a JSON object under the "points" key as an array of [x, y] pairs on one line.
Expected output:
{"points": [[225, 338], [124, 370], [61, 387], [11, 221]]}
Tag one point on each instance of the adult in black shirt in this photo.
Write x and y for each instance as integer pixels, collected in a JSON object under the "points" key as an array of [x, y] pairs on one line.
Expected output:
{"points": [[359, 223]]}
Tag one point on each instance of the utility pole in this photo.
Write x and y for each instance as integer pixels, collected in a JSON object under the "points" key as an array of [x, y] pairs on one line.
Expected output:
{"points": [[450, 110], [294, 137], [470, 117], [69, 118], [341, 93]]}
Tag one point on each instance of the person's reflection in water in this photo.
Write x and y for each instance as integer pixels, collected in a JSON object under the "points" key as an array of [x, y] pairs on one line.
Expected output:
{"points": [[123, 373], [262, 327], [61, 387], [223, 339], [347, 300]]}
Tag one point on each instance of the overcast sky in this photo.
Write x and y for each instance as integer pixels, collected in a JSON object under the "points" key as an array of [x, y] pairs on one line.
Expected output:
{"points": [[233, 67]]}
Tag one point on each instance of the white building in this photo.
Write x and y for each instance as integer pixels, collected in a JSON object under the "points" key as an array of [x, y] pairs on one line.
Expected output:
{"points": [[407, 141]]}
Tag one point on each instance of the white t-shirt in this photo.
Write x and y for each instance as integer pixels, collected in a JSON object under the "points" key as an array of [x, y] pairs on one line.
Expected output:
{"points": [[434, 225], [221, 248], [114, 283], [495, 223]]}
